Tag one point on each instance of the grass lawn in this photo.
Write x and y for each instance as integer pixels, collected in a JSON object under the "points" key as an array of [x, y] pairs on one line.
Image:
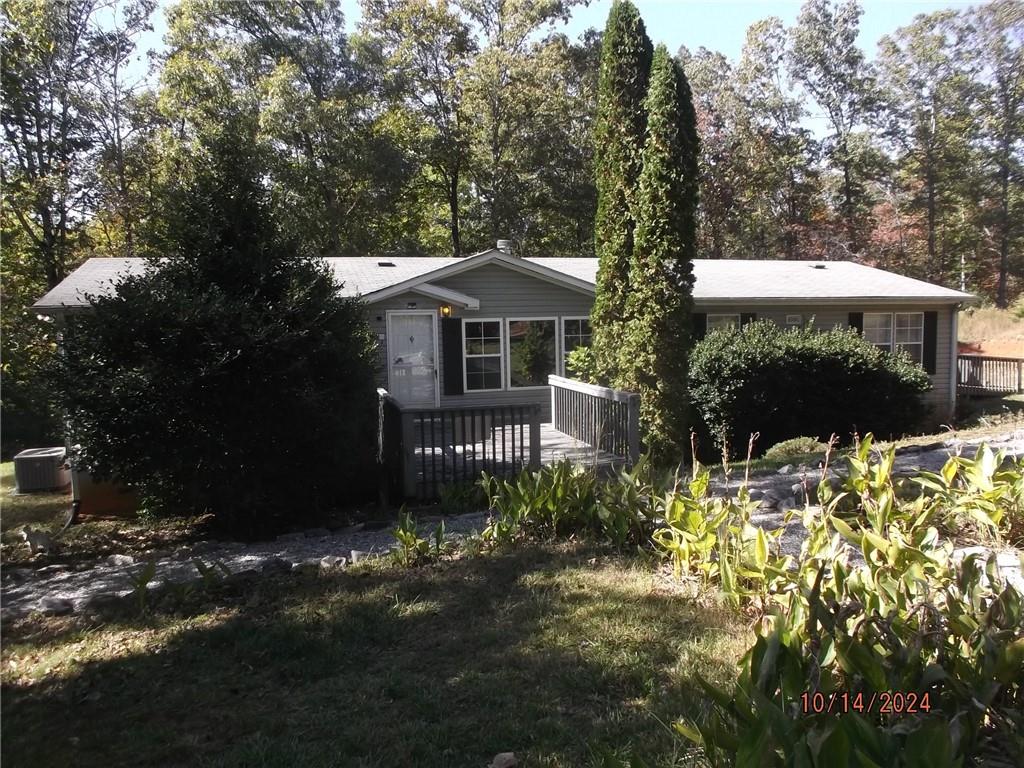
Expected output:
{"points": [[87, 539], [552, 652], [40, 510]]}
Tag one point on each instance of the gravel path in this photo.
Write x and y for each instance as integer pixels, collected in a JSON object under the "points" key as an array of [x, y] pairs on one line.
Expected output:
{"points": [[59, 589], [781, 491]]}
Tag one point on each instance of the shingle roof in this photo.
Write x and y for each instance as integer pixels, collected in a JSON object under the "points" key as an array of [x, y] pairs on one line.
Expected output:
{"points": [[715, 279]]}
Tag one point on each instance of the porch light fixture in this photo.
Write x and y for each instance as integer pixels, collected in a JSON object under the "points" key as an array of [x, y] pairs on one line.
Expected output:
{"points": [[446, 310]]}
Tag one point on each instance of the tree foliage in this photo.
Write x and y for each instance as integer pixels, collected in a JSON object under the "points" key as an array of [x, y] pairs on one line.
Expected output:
{"points": [[229, 377], [656, 341], [71, 120], [626, 54]]}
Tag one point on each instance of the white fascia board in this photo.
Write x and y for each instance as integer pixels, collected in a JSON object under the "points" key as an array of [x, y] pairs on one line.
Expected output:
{"points": [[447, 295]]}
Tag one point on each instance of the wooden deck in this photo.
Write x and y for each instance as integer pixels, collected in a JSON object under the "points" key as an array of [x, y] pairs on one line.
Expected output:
{"points": [[421, 452], [555, 446], [502, 452], [988, 375]]}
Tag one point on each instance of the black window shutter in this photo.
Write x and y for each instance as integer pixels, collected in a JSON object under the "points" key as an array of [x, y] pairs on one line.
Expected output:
{"points": [[931, 332], [747, 317], [856, 320], [451, 354], [700, 325]]}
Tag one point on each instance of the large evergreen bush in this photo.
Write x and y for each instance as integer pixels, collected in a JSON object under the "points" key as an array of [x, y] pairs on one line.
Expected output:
{"points": [[230, 377], [657, 333], [626, 53], [786, 383]]}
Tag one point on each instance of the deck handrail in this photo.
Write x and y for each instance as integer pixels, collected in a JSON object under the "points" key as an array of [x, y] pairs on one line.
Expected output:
{"points": [[969, 356], [990, 374], [606, 418], [423, 449]]}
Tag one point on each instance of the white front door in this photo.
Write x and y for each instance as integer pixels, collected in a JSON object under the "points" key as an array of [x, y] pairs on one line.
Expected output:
{"points": [[412, 357]]}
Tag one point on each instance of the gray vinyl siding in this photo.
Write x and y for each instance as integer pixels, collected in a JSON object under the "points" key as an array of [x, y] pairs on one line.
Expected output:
{"points": [[506, 294], [941, 398], [502, 293]]}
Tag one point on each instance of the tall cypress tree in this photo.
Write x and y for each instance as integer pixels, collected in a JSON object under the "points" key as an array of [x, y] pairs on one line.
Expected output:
{"points": [[618, 134], [658, 337]]}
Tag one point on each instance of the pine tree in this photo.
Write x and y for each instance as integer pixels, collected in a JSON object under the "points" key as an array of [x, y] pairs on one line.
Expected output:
{"points": [[619, 132], [656, 345]]}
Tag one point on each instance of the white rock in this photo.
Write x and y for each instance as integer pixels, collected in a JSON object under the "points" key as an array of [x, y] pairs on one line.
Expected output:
{"points": [[121, 560], [332, 561], [55, 568], [785, 469], [504, 760]]}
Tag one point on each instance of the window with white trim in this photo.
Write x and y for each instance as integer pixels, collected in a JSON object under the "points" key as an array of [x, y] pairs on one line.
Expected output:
{"points": [[575, 333], [723, 322], [909, 334], [482, 356], [893, 331], [532, 351], [878, 329]]}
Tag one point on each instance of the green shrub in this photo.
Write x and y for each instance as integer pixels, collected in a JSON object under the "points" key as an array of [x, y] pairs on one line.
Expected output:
{"points": [[910, 620], [230, 377], [582, 365], [566, 499], [788, 382], [410, 548], [796, 446], [712, 539], [844, 639]]}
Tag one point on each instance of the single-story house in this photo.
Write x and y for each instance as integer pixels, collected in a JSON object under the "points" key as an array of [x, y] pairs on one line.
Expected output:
{"points": [[488, 329]]}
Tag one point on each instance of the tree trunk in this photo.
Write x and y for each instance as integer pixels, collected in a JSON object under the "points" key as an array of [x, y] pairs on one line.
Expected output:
{"points": [[851, 225], [937, 270], [453, 207], [1002, 299]]}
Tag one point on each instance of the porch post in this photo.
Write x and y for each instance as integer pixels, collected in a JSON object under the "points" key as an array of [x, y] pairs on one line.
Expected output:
{"points": [[633, 430], [408, 454], [535, 436]]}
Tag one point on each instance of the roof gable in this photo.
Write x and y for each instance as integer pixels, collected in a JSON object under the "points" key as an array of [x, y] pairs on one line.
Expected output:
{"points": [[533, 267]]}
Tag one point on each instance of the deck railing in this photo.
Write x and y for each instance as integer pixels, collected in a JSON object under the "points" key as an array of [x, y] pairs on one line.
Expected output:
{"points": [[436, 447], [983, 374], [390, 474], [607, 419]]}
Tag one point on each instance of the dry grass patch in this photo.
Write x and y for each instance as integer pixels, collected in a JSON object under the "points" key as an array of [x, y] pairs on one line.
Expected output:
{"points": [[992, 331]]}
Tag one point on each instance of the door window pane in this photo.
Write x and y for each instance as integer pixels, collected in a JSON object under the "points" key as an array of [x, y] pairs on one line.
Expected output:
{"points": [[531, 352]]}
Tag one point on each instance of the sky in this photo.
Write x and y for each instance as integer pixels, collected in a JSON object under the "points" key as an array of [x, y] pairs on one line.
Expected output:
{"points": [[718, 25]]}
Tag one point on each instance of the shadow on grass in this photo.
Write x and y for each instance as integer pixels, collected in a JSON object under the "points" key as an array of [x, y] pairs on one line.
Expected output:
{"points": [[554, 654]]}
